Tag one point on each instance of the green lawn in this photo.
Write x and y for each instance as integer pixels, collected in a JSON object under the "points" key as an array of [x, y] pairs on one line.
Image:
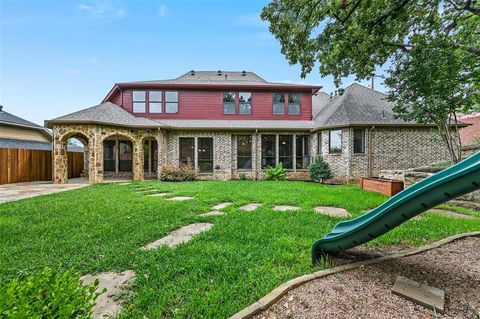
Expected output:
{"points": [[243, 257]]}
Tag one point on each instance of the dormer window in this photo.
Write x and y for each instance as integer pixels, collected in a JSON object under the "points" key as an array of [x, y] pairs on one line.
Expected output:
{"points": [[294, 104], [278, 103], [155, 101], [139, 101], [171, 102]]}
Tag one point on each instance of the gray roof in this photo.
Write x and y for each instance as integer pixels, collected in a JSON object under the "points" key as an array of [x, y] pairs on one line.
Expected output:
{"points": [[213, 78], [105, 113], [358, 105], [34, 145], [8, 118], [237, 124]]}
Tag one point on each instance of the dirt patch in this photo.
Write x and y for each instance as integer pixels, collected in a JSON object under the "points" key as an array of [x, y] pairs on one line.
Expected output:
{"points": [[366, 292], [109, 304]]}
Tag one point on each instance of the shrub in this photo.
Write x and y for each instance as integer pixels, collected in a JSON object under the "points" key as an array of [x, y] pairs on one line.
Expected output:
{"points": [[319, 170], [276, 173], [177, 173], [48, 294], [242, 176]]}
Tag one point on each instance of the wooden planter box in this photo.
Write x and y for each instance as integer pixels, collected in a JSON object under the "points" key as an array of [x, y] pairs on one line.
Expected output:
{"points": [[384, 186]]}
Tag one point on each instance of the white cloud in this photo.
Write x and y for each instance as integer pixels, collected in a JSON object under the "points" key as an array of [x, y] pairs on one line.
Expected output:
{"points": [[102, 9], [162, 10]]}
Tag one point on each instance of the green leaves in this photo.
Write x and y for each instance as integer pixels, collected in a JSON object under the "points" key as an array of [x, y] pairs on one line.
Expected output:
{"points": [[276, 173], [52, 293], [319, 170]]}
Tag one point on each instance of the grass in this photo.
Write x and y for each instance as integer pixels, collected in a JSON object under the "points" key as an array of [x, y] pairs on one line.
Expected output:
{"points": [[243, 257]]}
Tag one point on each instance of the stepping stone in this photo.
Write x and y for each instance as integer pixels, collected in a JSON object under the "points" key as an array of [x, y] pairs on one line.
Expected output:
{"points": [[179, 236], [158, 194], [424, 295], [221, 206], [332, 211], [285, 208], [213, 213], [180, 198], [450, 214], [250, 207], [108, 304]]}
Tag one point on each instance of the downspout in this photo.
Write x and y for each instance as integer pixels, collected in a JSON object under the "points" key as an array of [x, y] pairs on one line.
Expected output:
{"points": [[256, 154], [369, 158]]}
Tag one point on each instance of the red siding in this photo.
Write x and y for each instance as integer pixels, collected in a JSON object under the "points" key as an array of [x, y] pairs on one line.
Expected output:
{"points": [[469, 134], [209, 105]]}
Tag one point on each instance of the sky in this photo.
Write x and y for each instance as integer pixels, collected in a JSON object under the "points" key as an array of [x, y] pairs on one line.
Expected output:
{"points": [[58, 57]]}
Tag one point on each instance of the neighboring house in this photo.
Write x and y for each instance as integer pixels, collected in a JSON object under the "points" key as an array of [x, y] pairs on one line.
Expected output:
{"points": [[16, 132], [226, 123], [470, 135]]}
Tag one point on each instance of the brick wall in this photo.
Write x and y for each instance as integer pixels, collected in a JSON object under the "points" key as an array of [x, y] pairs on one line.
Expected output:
{"points": [[468, 134]]}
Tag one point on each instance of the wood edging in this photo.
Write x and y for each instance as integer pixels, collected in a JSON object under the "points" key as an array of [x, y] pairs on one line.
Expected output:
{"points": [[273, 296]]}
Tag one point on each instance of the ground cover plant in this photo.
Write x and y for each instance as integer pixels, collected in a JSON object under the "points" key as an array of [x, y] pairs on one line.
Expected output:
{"points": [[239, 260]]}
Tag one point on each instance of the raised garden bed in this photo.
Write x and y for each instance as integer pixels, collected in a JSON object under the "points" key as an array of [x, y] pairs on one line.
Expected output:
{"points": [[384, 186]]}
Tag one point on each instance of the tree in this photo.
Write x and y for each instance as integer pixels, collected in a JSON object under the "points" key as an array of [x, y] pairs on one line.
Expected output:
{"points": [[319, 170], [357, 36]]}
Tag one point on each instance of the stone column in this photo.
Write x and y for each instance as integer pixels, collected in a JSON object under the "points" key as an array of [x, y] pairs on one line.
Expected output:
{"points": [[137, 169], [96, 160], [60, 165]]}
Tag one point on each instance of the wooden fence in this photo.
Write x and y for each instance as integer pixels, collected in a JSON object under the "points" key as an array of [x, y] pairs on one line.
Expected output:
{"points": [[24, 165]]}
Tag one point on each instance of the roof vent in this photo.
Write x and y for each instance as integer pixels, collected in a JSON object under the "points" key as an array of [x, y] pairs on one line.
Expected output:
{"points": [[192, 72], [244, 73], [384, 115], [1, 108], [226, 76], [219, 72], [341, 91]]}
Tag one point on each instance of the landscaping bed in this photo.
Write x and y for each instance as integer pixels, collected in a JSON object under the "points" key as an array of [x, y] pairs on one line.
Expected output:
{"points": [[243, 256]]}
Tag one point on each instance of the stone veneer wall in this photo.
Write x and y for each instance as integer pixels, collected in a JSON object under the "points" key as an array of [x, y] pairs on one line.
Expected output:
{"points": [[95, 135]]}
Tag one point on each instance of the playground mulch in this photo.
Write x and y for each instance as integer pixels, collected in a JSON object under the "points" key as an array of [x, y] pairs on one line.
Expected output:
{"points": [[366, 292]]}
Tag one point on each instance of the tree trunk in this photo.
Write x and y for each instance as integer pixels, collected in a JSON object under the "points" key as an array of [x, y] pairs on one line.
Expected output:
{"points": [[454, 149]]}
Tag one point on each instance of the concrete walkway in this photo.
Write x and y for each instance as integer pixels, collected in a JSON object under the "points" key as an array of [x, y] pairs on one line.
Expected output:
{"points": [[14, 192]]}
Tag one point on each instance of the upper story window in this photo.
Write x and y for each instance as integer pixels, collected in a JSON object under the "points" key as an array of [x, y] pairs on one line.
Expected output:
{"points": [[294, 104], [229, 103], [359, 141], [171, 102], [335, 141], [278, 103], [139, 101], [244, 103], [155, 101]]}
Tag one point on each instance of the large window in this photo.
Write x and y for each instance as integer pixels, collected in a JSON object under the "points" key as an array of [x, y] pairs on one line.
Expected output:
{"points": [[301, 147], [187, 151], [229, 103], [244, 151], [294, 104], [268, 150], [359, 141], [335, 141], [205, 154], [171, 102], [155, 101], [319, 143], [139, 101], [245, 103], [278, 103], [285, 151]]}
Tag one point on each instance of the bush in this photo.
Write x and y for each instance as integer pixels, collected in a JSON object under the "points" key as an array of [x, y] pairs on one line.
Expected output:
{"points": [[48, 294], [242, 176], [319, 170], [276, 173], [177, 173]]}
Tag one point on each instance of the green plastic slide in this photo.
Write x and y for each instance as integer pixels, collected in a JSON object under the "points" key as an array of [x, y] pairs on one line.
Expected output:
{"points": [[455, 181]]}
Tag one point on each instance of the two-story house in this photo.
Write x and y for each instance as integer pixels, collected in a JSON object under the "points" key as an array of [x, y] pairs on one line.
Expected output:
{"points": [[226, 123]]}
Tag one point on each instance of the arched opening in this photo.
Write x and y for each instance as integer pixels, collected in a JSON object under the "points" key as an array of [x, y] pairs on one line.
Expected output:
{"points": [[150, 157], [77, 156], [117, 157]]}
